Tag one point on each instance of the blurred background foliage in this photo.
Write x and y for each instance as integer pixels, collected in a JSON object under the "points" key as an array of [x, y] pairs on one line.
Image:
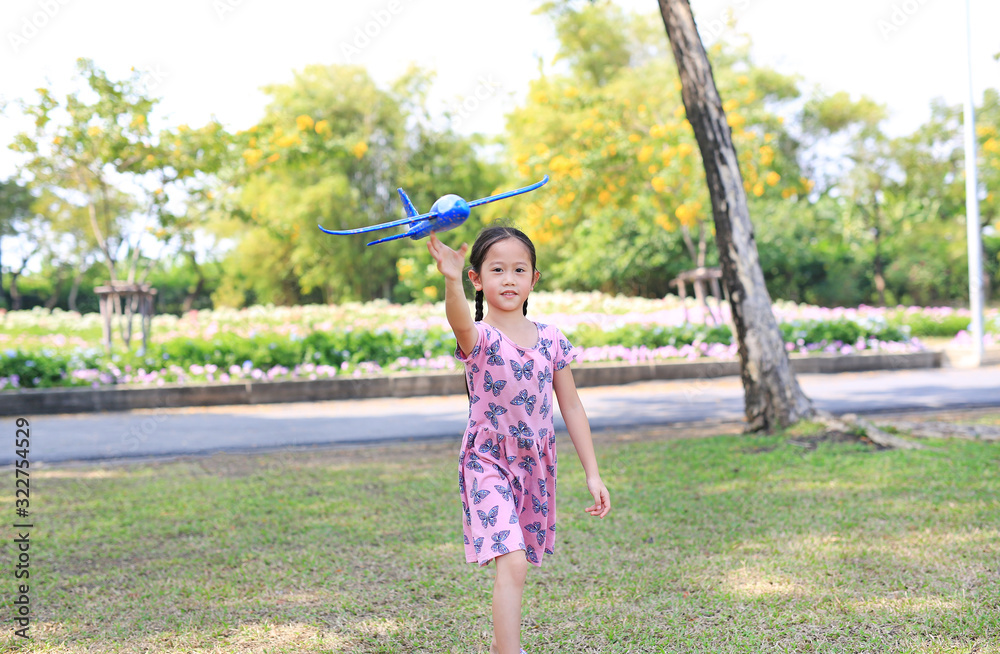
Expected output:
{"points": [[844, 214]]}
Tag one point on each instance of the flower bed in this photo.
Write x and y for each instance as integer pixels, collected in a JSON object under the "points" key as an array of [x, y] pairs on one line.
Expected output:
{"points": [[40, 349]]}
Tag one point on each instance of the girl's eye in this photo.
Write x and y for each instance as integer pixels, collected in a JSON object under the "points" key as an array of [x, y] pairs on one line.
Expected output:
{"points": [[520, 270]]}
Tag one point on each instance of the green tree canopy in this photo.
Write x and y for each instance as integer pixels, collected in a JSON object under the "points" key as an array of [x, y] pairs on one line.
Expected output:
{"points": [[628, 207], [331, 149]]}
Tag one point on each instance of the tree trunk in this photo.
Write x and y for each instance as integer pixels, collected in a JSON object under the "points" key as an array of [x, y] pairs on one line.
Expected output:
{"points": [[878, 264], [199, 288], [773, 396], [879, 270], [75, 288], [3, 293], [15, 294], [53, 300]]}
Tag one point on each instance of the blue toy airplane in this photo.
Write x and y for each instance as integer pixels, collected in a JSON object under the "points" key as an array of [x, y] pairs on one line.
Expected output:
{"points": [[448, 212]]}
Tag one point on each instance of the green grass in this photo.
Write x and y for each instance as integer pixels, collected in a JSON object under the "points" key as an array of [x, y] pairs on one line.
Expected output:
{"points": [[721, 544]]}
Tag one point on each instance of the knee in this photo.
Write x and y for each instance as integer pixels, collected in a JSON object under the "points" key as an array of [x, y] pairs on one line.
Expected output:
{"points": [[513, 566]]}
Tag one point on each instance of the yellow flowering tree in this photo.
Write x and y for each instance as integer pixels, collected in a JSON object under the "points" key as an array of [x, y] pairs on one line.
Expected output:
{"points": [[331, 150], [628, 207]]}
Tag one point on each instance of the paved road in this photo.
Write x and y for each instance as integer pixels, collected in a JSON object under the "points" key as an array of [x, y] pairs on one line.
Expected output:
{"points": [[170, 432]]}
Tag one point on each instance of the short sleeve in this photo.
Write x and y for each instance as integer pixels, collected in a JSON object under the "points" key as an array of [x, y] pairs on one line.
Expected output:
{"points": [[564, 352], [480, 342]]}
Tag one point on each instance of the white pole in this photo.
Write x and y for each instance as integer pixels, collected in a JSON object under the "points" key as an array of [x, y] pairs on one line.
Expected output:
{"points": [[972, 208]]}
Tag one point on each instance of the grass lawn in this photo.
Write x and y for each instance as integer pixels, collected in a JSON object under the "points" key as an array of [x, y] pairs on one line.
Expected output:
{"points": [[726, 543]]}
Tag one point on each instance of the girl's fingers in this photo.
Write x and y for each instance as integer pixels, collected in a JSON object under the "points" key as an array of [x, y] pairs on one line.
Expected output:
{"points": [[602, 504]]}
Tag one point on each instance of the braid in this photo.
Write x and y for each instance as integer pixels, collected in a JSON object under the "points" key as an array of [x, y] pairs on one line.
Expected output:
{"points": [[479, 306], [525, 308]]}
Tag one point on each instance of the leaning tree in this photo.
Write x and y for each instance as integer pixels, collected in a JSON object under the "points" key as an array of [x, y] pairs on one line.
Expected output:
{"points": [[773, 396]]}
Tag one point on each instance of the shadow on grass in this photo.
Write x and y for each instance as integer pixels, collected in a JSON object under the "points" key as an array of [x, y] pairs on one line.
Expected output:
{"points": [[734, 543]]}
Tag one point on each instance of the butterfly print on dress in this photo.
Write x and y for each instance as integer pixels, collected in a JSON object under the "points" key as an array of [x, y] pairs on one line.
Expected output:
{"points": [[536, 528], [473, 463], [530, 554], [544, 376], [491, 415], [489, 447], [489, 386], [528, 402], [498, 539], [478, 495], [543, 348], [538, 507], [522, 371], [489, 519], [523, 435], [494, 358]]}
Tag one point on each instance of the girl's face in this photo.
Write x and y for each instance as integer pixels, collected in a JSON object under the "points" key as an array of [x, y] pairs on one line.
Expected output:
{"points": [[506, 276]]}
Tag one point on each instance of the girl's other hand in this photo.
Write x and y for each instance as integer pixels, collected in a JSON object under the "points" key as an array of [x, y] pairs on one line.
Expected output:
{"points": [[602, 498], [449, 263]]}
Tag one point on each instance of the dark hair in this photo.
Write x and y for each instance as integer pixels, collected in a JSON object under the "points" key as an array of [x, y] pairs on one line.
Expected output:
{"points": [[483, 243]]}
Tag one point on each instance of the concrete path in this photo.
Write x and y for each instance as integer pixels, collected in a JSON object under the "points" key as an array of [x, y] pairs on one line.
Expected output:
{"points": [[171, 432]]}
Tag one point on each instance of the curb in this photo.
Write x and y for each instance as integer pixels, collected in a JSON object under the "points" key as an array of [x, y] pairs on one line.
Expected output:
{"points": [[87, 400]]}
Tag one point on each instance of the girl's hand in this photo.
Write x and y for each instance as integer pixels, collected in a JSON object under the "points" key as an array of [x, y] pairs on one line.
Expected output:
{"points": [[602, 498], [449, 263]]}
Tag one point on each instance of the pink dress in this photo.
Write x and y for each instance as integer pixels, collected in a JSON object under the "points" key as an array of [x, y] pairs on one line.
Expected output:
{"points": [[507, 465]]}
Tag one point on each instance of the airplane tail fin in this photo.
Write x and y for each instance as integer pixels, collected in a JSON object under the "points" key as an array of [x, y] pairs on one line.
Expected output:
{"points": [[407, 205]]}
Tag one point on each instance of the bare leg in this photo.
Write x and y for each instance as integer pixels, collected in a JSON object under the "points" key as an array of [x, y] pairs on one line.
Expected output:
{"points": [[508, 587]]}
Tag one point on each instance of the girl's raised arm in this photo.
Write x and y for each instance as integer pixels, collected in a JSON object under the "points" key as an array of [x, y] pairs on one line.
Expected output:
{"points": [[451, 264]]}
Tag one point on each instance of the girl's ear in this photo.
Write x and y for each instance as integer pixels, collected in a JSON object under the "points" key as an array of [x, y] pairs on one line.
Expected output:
{"points": [[538, 274], [474, 278]]}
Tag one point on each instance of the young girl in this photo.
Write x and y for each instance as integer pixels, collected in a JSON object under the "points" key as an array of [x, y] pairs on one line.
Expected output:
{"points": [[507, 465]]}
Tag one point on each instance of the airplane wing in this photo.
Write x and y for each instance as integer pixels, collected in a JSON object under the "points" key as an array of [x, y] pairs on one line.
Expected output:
{"points": [[508, 194], [374, 228]]}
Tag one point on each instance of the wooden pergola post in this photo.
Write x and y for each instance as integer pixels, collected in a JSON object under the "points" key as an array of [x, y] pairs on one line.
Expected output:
{"points": [[698, 277], [125, 298]]}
